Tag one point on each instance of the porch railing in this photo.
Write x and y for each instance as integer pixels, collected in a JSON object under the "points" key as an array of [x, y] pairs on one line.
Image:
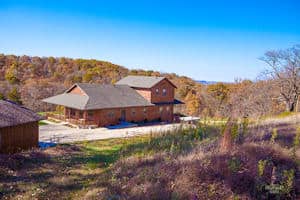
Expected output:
{"points": [[62, 117]]}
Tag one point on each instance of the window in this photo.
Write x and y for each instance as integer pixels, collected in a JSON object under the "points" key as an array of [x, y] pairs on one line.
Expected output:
{"points": [[133, 111], [145, 111], [111, 114], [157, 91], [168, 108], [90, 115], [164, 92]]}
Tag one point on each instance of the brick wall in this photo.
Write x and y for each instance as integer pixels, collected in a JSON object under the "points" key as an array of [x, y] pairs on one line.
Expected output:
{"points": [[19, 137], [157, 92], [106, 117], [156, 95]]}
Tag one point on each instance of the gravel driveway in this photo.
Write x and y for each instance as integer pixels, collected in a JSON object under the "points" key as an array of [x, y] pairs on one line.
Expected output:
{"points": [[59, 133]]}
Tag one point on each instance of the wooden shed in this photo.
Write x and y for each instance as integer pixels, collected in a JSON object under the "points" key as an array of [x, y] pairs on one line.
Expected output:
{"points": [[19, 128]]}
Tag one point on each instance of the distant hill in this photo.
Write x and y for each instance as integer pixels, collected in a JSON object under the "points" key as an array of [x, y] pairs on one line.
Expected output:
{"points": [[206, 82], [203, 82]]}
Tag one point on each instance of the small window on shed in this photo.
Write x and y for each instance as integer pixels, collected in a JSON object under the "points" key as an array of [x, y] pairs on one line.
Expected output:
{"points": [[164, 92], [133, 111], [145, 111], [157, 91]]}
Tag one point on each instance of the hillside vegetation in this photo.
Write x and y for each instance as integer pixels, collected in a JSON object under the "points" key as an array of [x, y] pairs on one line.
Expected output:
{"points": [[28, 80], [187, 163]]}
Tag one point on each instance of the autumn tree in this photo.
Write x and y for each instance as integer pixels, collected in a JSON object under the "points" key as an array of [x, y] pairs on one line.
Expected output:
{"points": [[14, 95], [192, 103], [285, 71], [219, 94], [11, 74]]}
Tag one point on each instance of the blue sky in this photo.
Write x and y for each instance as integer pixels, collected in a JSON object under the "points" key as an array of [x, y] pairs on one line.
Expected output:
{"points": [[205, 40]]}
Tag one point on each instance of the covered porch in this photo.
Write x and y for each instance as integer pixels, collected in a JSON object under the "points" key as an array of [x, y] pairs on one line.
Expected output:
{"points": [[74, 116]]}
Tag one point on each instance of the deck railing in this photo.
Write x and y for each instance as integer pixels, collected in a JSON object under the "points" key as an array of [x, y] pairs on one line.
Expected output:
{"points": [[56, 116], [83, 122]]}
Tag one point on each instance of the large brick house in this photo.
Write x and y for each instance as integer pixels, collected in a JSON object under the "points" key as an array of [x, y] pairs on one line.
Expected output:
{"points": [[132, 99]]}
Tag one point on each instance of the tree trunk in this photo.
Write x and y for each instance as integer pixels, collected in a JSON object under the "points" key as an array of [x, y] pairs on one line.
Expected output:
{"points": [[291, 106], [297, 104]]}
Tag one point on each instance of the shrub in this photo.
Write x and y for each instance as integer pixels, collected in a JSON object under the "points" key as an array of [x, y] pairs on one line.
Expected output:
{"points": [[288, 183], [274, 136], [297, 138], [261, 167], [296, 143], [234, 164]]}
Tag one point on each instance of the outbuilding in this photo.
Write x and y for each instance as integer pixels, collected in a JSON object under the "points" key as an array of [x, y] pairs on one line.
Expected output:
{"points": [[19, 129]]}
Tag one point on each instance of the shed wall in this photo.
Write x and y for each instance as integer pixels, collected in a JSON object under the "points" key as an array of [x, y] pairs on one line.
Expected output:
{"points": [[19, 137]]}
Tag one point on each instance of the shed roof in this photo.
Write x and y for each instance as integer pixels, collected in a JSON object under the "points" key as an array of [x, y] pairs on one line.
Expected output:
{"points": [[99, 97], [12, 114], [141, 81]]}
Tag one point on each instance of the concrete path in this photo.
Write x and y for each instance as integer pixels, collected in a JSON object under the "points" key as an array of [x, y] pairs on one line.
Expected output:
{"points": [[59, 133]]}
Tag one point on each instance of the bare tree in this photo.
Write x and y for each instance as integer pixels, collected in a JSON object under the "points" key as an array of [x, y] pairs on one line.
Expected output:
{"points": [[285, 71]]}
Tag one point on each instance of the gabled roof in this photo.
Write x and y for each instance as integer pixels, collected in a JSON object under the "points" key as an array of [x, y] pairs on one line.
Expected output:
{"points": [[12, 114], [142, 81], [99, 97]]}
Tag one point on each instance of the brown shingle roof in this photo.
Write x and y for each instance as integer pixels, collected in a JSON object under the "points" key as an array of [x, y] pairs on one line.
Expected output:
{"points": [[99, 97], [12, 114], [140, 81]]}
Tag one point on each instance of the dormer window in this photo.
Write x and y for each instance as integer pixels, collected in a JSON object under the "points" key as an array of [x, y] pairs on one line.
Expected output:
{"points": [[164, 92], [157, 91]]}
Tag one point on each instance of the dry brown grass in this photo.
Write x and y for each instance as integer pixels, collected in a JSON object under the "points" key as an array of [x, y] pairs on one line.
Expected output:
{"points": [[206, 173], [163, 167]]}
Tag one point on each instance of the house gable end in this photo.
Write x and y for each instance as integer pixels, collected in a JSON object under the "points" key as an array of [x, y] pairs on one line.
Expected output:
{"points": [[165, 79], [76, 89]]}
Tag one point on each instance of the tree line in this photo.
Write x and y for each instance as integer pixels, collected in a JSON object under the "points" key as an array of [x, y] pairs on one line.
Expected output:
{"points": [[275, 90], [27, 80]]}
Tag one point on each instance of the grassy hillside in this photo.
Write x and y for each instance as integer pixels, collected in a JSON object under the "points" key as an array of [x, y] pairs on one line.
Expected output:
{"points": [[183, 164]]}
